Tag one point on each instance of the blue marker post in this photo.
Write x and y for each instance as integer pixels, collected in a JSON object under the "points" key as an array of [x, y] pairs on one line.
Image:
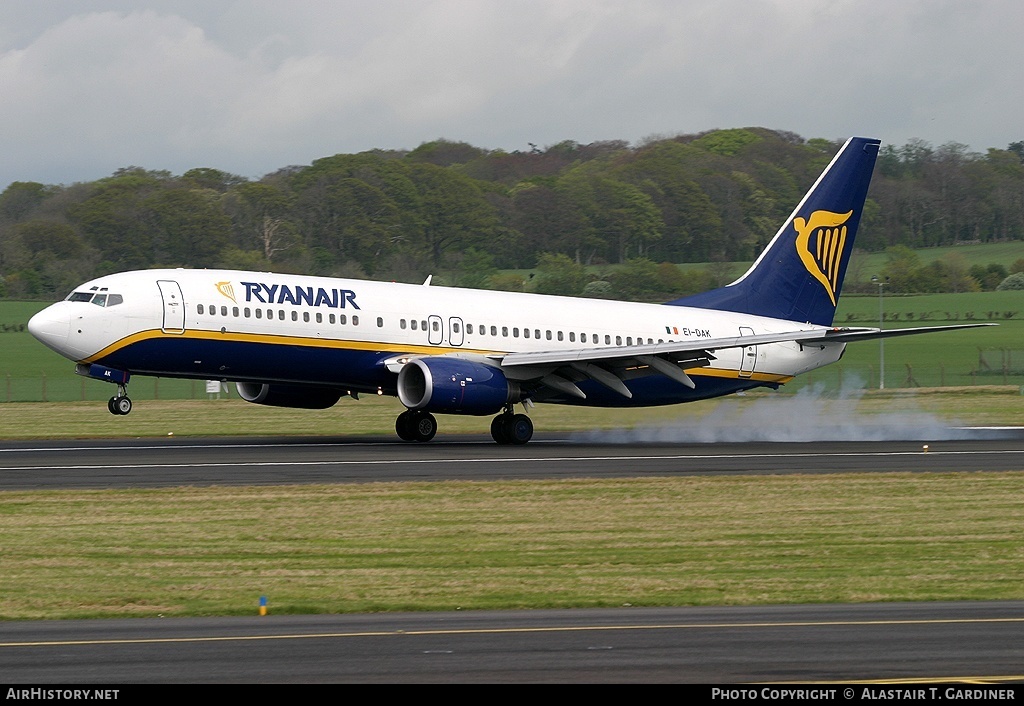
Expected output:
{"points": [[263, 605]]}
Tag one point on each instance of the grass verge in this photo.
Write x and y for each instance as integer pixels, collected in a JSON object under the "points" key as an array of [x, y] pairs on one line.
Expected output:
{"points": [[516, 544], [982, 405]]}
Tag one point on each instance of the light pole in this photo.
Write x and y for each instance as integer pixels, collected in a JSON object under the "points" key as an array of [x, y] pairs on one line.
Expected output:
{"points": [[881, 341]]}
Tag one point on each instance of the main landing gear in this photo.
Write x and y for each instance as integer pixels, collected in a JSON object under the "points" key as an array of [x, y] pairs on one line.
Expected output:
{"points": [[510, 428], [415, 426], [120, 403], [507, 428]]}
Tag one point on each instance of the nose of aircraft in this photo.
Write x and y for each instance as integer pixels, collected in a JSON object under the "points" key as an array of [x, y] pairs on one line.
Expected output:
{"points": [[51, 327]]}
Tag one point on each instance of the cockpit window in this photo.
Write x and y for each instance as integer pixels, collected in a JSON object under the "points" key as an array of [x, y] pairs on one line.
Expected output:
{"points": [[98, 298]]}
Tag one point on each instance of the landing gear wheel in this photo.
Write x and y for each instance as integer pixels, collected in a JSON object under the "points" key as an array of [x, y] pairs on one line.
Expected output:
{"points": [[519, 429], [416, 426], [403, 426], [508, 428], [119, 405], [498, 430], [424, 426]]}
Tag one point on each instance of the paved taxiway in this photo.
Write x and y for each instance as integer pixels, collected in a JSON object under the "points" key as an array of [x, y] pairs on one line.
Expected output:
{"points": [[975, 641], [174, 462], [931, 642]]}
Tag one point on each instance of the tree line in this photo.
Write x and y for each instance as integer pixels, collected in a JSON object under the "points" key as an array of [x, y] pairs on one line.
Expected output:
{"points": [[466, 214]]}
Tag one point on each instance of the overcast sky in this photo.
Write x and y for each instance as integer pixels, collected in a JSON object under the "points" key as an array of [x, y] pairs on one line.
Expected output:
{"points": [[88, 86]]}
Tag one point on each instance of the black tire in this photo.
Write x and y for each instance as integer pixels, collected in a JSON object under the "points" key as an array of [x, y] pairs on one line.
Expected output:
{"points": [[498, 432], [519, 429], [403, 426], [123, 405], [423, 426], [110, 406]]}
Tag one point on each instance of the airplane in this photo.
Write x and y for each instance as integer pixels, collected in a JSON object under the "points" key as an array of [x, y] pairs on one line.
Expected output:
{"points": [[304, 342]]}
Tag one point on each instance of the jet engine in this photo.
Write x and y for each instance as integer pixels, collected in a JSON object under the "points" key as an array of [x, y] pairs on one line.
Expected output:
{"points": [[454, 386], [299, 396]]}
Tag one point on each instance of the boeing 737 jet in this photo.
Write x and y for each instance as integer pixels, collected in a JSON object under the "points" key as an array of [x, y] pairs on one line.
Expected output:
{"points": [[296, 341]]}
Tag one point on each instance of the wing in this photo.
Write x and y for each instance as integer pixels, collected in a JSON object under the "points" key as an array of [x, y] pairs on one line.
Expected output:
{"points": [[559, 370]]}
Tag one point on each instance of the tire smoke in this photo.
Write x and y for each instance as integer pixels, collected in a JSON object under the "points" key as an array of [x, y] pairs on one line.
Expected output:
{"points": [[809, 415]]}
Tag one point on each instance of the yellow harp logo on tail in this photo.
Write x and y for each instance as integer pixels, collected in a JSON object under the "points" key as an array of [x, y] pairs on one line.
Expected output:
{"points": [[822, 257]]}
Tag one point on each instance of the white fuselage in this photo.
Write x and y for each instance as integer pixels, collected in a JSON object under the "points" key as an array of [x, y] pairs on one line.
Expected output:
{"points": [[163, 315]]}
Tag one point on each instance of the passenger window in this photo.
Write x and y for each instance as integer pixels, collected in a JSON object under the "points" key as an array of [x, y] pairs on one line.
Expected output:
{"points": [[259, 313], [435, 325], [295, 315], [234, 311], [413, 324], [526, 333], [629, 340], [355, 320], [469, 328], [280, 315], [494, 330], [504, 331], [515, 332], [319, 318], [305, 316], [223, 311], [380, 322], [547, 335], [618, 340], [330, 318], [561, 336], [199, 309], [455, 327], [247, 312], [572, 337]]}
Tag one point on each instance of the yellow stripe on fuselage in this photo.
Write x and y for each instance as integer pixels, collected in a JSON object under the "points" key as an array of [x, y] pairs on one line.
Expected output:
{"points": [[379, 346]]}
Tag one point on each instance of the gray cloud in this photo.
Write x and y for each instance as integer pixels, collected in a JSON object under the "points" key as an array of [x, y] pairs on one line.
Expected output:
{"points": [[249, 87]]}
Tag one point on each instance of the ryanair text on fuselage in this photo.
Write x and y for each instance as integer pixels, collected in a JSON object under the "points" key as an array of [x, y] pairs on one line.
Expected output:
{"points": [[313, 296]]}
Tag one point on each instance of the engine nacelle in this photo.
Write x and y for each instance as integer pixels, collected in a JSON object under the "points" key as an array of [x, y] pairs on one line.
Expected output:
{"points": [[454, 386], [288, 395]]}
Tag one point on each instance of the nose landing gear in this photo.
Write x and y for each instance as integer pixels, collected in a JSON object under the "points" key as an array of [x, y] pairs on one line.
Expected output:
{"points": [[120, 403]]}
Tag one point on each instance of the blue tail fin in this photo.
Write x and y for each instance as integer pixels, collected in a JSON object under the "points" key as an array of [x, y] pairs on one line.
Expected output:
{"points": [[800, 274]]}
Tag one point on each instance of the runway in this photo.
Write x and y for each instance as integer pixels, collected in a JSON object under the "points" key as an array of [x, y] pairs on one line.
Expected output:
{"points": [[274, 461], [872, 643]]}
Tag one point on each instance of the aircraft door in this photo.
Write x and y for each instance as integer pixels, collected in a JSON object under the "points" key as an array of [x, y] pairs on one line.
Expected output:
{"points": [[435, 330], [174, 306], [748, 354], [456, 332]]}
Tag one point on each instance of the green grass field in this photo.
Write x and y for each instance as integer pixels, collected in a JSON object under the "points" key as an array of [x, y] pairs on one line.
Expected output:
{"points": [[512, 544]]}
